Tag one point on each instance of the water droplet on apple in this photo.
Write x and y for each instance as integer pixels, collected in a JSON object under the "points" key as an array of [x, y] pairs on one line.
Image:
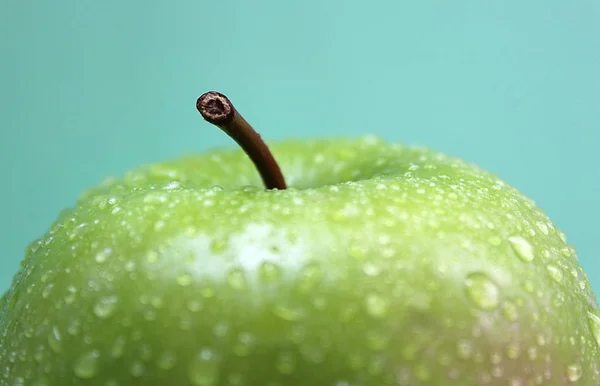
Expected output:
{"points": [[106, 306], [464, 349], [574, 372], [509, 311], [203, 370], [244, 344], [269, 272], [595, 326], [47, 290], [71, 294], [118, 347], [371, 269], [522, 248], [166, 360], [152, 256], [103, 255], [286, 313], [184, 280], [532, 353], [376, 306], [236, 279], [286, 363], [86, 366], [512, 351], [137, 369], [482, 291], [55, 340], [555, 273], [542, 227]]}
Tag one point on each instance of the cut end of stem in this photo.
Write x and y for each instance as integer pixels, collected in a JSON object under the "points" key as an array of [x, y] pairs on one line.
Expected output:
{"points": [[217, 109]]}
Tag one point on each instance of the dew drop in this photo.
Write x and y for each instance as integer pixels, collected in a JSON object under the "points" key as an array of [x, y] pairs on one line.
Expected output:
{"points": [[106, 306], [118, 347], [55, 340], [574, 373], [523, 249], [555, 273], [236, 279], [595, 326], [269, 272], [512, 351], [166, 360], [509, 311], [309, 277], [203, 370], [482, 291], [152, 256], [376, 306], [86, 366], [103, 255], [47, 291], [184, 280], [286, 313], [286, 363], [542, 227], [464, 349], [137, 369]]}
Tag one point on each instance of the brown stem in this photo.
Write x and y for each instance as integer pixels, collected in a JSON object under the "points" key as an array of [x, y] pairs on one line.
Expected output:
{"points": [[217, 109]]}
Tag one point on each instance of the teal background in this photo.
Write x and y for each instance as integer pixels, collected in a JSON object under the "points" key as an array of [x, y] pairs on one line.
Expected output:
{"points": [[92, 88]]}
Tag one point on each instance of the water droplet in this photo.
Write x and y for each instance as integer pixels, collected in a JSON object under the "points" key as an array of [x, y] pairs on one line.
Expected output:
{"points": [[184, 280], [203, 370], [595, 326], [194, 305], [376, 306], [286, 363], [523, 249], [137, 369], [555, 273], [106, 306], [236, 279], [166, 360], [47, 291], [103, 255], [509, 311], [118, 347], [574, 373], [244, 344], [86, 366], [286, 313], [71, 294], [482, 291], [152, 256], [512, 351], [422, 373], [542, 227], [464, 349], [371, 269], [269, 272], [495, 241], [55, 340]]}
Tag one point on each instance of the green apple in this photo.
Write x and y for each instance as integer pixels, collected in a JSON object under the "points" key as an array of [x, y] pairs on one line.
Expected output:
{"points": [[378, 264]]}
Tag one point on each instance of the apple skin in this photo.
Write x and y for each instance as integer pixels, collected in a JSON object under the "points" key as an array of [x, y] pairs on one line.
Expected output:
{"points": [[381, 265]]}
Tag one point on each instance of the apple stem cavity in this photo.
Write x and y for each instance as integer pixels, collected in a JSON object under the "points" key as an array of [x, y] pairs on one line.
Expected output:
{"points": [[217, 109]]}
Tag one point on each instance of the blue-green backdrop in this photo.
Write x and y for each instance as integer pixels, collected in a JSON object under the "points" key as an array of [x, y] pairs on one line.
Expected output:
{"points": [[93, 88]]}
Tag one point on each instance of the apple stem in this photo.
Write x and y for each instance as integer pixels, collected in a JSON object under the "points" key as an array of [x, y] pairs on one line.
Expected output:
{"points": [[217, 109]]}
